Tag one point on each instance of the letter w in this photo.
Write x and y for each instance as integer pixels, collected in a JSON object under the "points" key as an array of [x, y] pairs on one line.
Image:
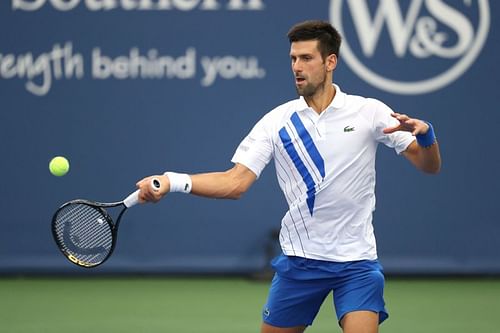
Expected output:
{"points": [[368, 29]]}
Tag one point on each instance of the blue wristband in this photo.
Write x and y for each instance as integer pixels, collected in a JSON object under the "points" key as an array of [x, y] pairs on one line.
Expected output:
{"points": [[428, 139]]}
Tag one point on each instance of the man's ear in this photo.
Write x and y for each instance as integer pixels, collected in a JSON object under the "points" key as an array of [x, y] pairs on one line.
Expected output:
{"points": [[331, 62]]}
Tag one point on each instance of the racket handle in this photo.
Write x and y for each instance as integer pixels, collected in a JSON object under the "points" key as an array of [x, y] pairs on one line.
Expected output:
{"points": [[133, 198]]}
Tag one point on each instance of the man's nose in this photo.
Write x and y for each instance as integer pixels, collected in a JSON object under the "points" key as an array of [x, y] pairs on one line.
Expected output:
{"points": [[297, 66]]}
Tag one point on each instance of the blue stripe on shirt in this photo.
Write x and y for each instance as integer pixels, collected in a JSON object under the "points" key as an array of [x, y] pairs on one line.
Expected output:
{"points": [[309, 144], [301, 168]]}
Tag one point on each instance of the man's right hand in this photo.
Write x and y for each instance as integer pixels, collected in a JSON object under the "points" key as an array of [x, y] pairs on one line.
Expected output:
{"points": [[148, 193]]}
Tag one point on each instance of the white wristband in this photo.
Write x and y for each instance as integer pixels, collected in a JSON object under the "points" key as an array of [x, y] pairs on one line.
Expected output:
{"points": [[179, 182]]}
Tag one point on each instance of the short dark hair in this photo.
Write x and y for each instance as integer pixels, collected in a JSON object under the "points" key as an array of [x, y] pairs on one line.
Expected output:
{"points": [[328, 37]]}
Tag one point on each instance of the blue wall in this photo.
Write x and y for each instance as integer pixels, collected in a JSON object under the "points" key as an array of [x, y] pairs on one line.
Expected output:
{"points": [[59, 95]]}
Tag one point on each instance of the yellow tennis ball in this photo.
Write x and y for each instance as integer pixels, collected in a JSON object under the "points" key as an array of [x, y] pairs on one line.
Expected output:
{"points": [[59, 166]]}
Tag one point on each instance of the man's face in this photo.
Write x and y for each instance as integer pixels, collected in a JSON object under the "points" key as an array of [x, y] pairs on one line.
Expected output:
{"points": [[308, 67]]}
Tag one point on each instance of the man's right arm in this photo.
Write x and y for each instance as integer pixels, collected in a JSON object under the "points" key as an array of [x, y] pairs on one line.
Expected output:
{"points": [[230, 184]]}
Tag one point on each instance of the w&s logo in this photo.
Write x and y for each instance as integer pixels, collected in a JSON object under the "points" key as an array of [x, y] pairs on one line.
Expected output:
{"points": [[410, 47]]}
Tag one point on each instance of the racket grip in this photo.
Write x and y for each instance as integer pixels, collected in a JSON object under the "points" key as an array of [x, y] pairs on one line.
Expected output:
{"points": [[155, 184], [133, 198]]}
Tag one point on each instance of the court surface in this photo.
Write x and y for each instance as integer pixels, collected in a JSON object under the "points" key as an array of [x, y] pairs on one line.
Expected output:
{"points": [[232, 305]]}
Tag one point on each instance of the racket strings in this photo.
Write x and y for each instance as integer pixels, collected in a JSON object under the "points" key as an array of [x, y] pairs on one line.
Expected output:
{"points": [[84, 232]]}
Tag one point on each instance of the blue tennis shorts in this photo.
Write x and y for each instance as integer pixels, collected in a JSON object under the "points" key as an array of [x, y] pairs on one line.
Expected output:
{"points": [[300, 286]]}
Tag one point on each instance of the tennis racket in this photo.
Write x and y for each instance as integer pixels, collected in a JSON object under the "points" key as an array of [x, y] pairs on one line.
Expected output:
{"points": [[84, 231]]}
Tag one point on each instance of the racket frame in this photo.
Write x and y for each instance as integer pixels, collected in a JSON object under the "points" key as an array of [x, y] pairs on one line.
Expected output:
{"points": [[131, 200], [101, 207]]}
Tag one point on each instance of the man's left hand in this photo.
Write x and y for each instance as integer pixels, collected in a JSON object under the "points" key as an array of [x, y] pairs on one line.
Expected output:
{"points": [[415, 126]]}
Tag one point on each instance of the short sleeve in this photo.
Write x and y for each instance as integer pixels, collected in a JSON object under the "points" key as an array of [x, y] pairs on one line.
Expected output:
{"points": [[399, 140], [255, 151]]}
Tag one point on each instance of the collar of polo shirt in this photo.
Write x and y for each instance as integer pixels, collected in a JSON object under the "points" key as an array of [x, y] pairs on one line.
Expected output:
{"points": [[337, 102]]}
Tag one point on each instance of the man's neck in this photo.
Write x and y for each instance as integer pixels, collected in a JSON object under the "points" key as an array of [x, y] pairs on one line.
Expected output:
{"points": [[320, 101]]}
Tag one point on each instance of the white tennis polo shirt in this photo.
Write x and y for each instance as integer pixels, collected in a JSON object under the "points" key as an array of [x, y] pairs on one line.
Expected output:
{"points": [[325, 164]]}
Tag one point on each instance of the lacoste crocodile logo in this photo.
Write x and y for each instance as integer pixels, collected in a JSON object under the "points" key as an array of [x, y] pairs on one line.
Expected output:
{"points": [[348, 129]]}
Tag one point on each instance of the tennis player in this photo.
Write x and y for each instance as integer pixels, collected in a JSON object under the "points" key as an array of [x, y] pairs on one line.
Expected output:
{"points": [[324, 146]]}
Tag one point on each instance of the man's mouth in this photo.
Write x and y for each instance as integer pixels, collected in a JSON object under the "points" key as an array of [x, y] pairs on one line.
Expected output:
{"points": [[299, 80]]}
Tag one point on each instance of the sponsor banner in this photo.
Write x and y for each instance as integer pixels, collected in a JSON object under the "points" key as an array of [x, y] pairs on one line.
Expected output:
{"points": [[444, 38], [140, 5], [62, 62], [130, 88]]}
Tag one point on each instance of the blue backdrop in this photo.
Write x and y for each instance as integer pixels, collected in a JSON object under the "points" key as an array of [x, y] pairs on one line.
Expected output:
{"points": [[130, 88]]}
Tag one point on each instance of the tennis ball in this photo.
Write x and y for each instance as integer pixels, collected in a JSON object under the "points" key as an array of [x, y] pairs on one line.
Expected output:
{"points": [[59, 166]]}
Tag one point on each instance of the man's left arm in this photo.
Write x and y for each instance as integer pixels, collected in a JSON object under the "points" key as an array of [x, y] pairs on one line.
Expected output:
{"points": [[424, 152]]}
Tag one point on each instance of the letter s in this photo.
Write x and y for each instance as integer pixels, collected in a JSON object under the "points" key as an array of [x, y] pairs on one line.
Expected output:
{"points": [[27, 5]]}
